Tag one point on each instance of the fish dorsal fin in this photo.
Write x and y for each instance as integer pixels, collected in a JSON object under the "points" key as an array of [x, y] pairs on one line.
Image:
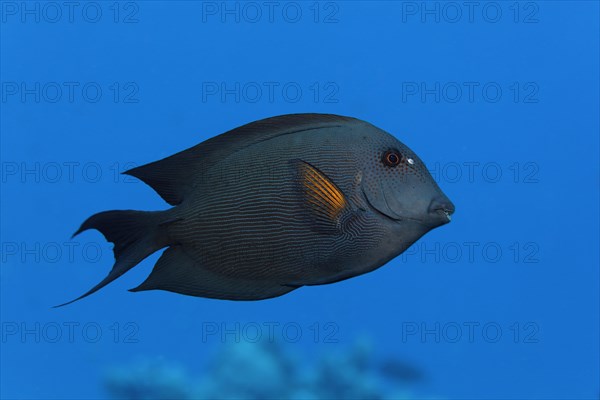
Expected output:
{"points": [[327, 204], [175, 176]]}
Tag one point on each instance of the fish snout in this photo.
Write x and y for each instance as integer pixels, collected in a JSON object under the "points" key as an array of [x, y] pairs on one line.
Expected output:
{"points": [[441, 210]]}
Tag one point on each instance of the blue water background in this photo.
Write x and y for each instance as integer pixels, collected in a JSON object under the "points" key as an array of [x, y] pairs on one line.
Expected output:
{"points": [[366, 59]]}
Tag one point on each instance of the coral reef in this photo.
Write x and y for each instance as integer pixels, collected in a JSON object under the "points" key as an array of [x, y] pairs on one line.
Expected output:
{"points": [[265, 371]]}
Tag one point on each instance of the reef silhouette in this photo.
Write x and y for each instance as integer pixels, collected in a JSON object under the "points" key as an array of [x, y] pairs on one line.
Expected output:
{"points": [[265, 370]]}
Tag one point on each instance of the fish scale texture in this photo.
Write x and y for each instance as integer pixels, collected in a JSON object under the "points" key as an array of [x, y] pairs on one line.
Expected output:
{"points": [[248, 219]]}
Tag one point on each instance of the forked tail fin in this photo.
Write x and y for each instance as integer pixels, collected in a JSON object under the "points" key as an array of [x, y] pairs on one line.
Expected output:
{"points": [[135, 234]]}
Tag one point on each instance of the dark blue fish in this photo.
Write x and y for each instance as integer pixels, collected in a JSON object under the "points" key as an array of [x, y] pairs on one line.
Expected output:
{"points": [[280, 203]]}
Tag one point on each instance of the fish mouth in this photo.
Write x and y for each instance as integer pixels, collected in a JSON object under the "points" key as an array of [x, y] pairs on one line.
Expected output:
{"points": [[445, 213], [443, 210]]}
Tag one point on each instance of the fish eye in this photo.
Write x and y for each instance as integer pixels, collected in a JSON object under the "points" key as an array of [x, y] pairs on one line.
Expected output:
{"points": [[391, 158]]}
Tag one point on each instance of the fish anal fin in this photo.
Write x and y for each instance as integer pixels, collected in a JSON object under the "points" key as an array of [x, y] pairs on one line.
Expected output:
{"points": [[176, 271]]}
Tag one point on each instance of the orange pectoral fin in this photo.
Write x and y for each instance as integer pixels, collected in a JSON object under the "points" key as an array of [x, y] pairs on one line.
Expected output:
{"points": [[321, 195]]}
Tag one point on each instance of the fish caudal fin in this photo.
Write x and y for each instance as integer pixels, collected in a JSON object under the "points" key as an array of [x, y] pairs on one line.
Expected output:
{"points": [[135, 234]]}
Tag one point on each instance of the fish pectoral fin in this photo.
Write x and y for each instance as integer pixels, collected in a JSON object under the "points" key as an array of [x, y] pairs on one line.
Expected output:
{"points": [[327, 204]]}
